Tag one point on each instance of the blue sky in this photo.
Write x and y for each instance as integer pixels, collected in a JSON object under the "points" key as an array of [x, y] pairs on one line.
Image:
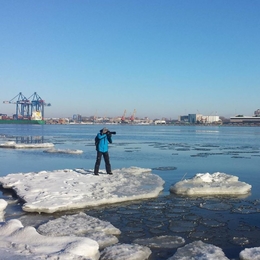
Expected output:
{"points": [[164, 58]]}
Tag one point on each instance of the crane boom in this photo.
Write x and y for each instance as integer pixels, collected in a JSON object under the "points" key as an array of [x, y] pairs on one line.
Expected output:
{"points": [[132, 118], [123, 116]]}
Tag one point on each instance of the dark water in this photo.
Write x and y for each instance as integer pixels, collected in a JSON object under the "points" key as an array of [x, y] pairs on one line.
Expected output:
{"points": [[173, 152]]}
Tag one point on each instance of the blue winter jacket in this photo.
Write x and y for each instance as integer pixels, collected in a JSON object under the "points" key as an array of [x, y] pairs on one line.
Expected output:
{"points": [[104, 139]]}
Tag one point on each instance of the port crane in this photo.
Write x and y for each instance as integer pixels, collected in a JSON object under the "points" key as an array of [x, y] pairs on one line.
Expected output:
{"points": [[132, 118], [123, 116], [26, 106], [38, 104]]}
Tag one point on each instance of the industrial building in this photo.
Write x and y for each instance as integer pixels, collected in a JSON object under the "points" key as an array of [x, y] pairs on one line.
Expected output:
{"points": [[241, 119], [199, 119]]}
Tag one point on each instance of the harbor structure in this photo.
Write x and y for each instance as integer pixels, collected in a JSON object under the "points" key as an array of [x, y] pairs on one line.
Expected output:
{"points": [[28, 110], [199, 119], [241, 119]]}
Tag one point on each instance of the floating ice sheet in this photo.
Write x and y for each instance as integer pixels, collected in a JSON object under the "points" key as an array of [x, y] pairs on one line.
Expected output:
{"points": [[15, 145], [198, 251], [161, 241], [51, 191], [250, 254], [63, 151], [211, 184], [125, 252], [81, 225]]}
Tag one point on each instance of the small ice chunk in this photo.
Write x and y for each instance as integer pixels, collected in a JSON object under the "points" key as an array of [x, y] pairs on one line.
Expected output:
{"points": [[78, 225], [82, 225], [199, 250], [3, 205], [161, 241], [211, 184], [125, 252], [250, 254], [103, 239], [63, 151]]}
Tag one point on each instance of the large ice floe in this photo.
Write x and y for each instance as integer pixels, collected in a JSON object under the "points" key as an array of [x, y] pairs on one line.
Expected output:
{"points": [[51, 191], [211, 184], [15, 145]]}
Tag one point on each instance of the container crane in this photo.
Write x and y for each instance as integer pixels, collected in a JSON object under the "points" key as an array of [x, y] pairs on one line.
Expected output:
{"points": [[22, 105], [37, 104]]}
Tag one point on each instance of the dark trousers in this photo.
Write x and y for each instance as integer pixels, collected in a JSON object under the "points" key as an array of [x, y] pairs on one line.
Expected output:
{"points": [[98, 161]]}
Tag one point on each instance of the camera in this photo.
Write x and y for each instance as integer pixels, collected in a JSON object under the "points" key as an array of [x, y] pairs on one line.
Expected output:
{"points": [[111, 133]]}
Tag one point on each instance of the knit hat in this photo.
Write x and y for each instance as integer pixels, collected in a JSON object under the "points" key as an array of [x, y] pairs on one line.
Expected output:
{"points": [[104, 130]]}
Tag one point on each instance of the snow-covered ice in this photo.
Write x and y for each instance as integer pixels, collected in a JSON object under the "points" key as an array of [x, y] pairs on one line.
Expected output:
{"points": [[81, 236], [23, 243], [13, 144], [19, 242], [250, 254], [3, 205], [199, 250], [125, 252], [211, 184], [62, 239], [51, 191], [161, 241], [81, 225], [65, 151]]}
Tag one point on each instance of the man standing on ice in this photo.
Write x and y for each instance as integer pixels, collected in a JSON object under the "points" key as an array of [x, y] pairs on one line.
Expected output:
{"points": [[102, 139]]}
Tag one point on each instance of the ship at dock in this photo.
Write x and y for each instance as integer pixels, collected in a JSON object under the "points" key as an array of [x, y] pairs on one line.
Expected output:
{"points": [[36, 119], [28, 110], [22, 122]]}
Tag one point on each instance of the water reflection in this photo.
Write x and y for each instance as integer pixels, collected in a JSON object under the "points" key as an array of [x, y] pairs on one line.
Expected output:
{"points": [[29, 139]]}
